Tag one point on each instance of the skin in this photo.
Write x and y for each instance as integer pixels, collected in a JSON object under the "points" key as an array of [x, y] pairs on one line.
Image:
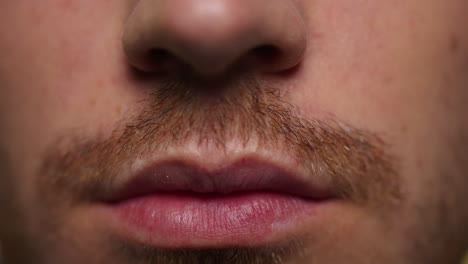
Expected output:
{"points": [[395, 68]]}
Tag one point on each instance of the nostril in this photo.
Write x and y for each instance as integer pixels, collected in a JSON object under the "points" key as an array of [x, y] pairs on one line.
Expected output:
{"points": [[152, 60], [158, 54], [164, 61], [266, 54], [158, 59]]}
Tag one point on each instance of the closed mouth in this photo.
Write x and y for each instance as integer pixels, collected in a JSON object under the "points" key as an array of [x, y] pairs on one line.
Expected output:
{"points": [[176, 204]]}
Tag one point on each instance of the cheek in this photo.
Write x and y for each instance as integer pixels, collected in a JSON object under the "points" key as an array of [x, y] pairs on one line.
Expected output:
{"points": [[394, 69], [61, 67], [378, 62]]}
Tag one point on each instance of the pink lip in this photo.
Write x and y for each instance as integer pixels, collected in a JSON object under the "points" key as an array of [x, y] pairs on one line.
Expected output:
{"points": [[179, 205]]}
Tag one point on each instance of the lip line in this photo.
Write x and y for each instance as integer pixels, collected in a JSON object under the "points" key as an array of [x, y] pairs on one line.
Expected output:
{"points": [[244, 175]]}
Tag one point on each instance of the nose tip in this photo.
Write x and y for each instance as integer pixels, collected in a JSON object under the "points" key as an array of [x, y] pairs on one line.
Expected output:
{"points": [[212, 35]]}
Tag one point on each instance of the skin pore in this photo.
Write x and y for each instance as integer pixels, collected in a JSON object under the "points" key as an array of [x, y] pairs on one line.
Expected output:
{"points": [[370, 96]]}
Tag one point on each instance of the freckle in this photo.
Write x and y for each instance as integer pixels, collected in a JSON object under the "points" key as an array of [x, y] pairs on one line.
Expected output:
{"points": [[419, 164], [454, 44], [446, 78], [66, 4], [118, 109], [388, 80], [37, 18], [404, 129]]}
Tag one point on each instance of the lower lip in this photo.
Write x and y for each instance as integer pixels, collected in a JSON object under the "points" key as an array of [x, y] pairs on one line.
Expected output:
{"points": [[186, 220]]}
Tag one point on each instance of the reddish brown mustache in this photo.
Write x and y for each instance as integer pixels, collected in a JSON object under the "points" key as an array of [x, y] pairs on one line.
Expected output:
{"points": [[356, 162]]}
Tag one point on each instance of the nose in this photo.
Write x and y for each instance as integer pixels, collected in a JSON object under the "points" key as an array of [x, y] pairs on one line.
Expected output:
{"points": [[210, 36]]}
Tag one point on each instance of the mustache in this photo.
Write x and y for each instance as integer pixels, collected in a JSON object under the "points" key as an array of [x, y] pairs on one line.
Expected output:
{"points": [[356, 162], [79, 168]]}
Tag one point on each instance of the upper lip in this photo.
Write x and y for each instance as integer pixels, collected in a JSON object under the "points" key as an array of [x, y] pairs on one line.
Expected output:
{"points": [[244, 175]]}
